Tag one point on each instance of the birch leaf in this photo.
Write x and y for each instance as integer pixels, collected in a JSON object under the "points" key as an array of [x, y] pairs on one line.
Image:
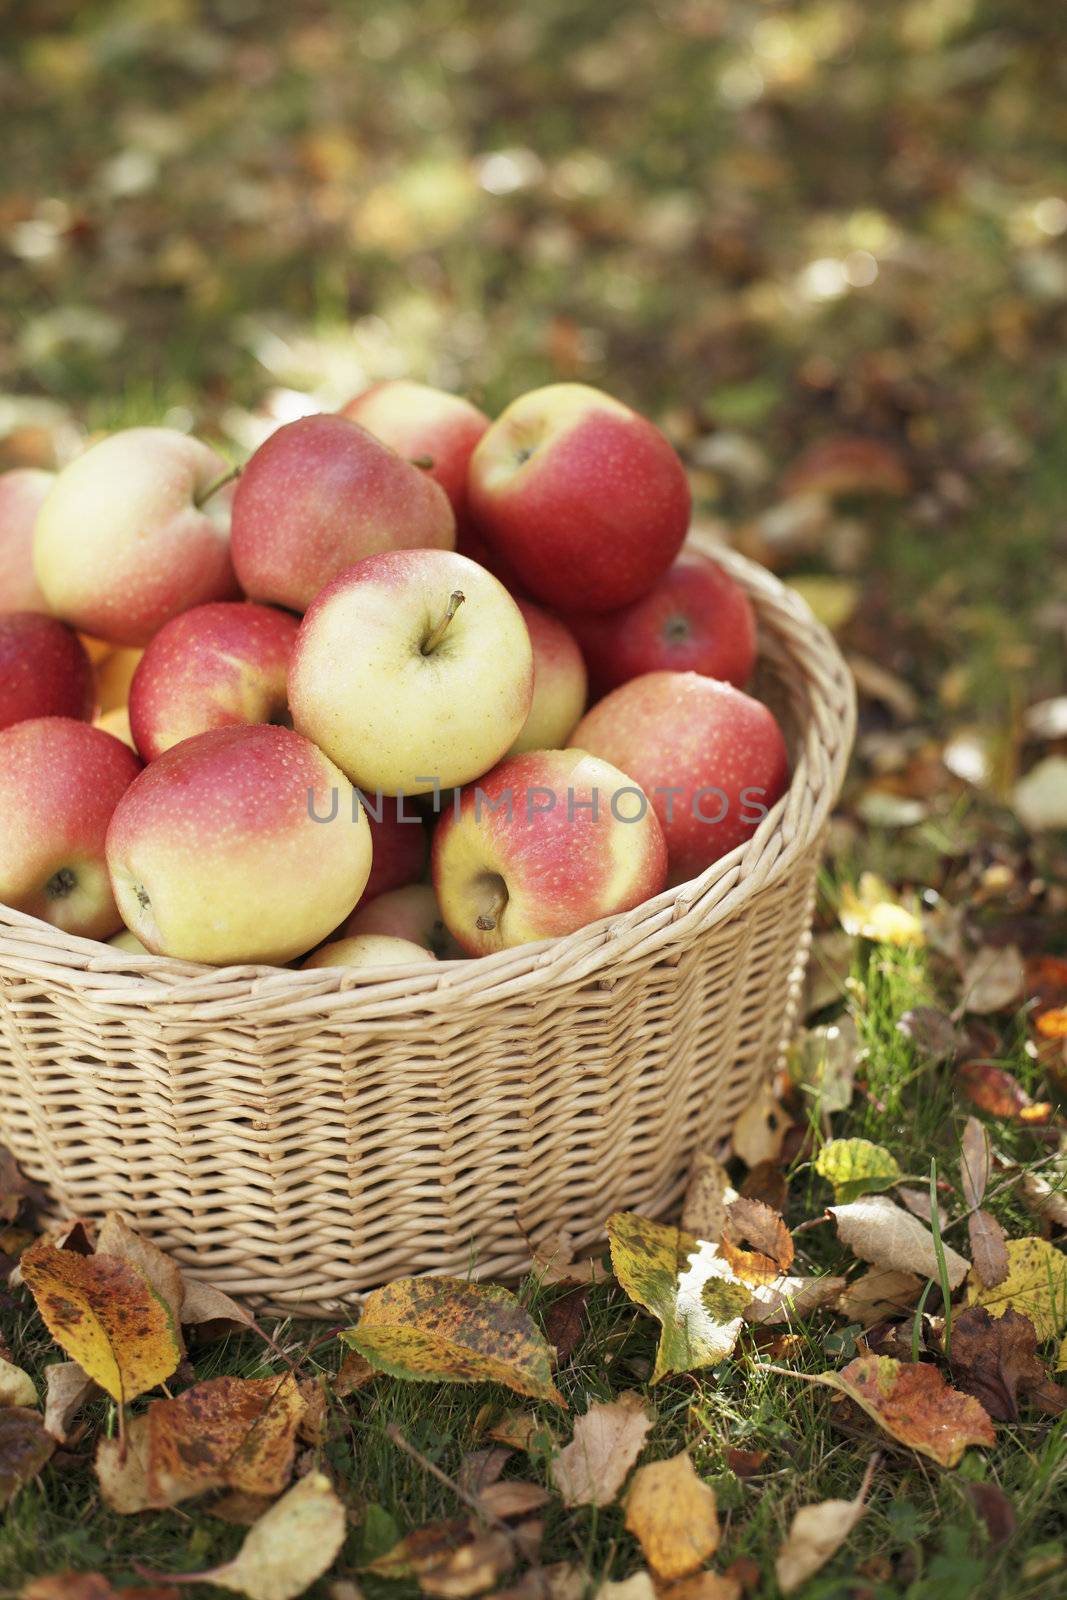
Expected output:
{"points": [[855, 1167]]}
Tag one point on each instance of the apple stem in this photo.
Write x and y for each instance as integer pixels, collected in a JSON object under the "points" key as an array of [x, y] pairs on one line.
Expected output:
{"points": [[455, 600], [489, 920], [425, 462], [213, 488]]}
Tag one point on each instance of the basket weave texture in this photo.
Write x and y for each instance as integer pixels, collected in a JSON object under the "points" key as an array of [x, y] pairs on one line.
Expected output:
{"points": [[300, 1137]]}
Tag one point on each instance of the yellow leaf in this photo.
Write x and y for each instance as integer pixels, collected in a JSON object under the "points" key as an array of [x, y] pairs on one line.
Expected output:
{"points": [[856, 1166], [441, 1330], [17, 1388], [233, 1433], [106, 1316], [870, 912], [291, 1545], [1036, 1286], [817, 1532], [673, 1515]]}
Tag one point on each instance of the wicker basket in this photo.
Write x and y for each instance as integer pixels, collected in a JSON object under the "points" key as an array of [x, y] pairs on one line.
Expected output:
{"points": [[299, 1137]]}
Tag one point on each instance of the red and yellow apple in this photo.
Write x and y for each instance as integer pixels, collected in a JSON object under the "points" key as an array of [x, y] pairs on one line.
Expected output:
{"points": [[559, 683], [60, 781], [321, 494], [711, 759], [434, 430], [542, 845], [128, 536], [369, 950], [584, 498], [242, 845], [410, 913], [22, 492], [695, 619], [44, 670], [213, 667], [413, 670], [401, 845]]}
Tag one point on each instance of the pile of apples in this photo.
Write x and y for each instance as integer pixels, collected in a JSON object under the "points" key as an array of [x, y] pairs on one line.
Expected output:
{"points": [[417, 685]]}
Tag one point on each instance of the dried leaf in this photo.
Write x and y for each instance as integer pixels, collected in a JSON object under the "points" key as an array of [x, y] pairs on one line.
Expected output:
{"points": [[445, 1330], [995, 1091], [512, 1498], [1036, 1286], [24, 1448], [914, 1404], [638, 1586], [882, 1233], [788, 1299], [565, 1321], [14, 1187], [918, 1203], [91, 1586], [607, 1441], [471, 1569], [686, 1285], [1040, 799], [124, 1479], [848, 465], [996, 1359], [17, 1388], [106, 1316], [816, 1533], [673, 1515], [423, 1548], [291, 1545], [932, 1032], [239, 1508], [561, 1581], [224, 1433], [210, 1312], [855, 1167], [553, 1261], [1047, 1201], [974, 1163], [354, 1373], [706, 1198], [760, 1129], [993, 979], [995, 1510], [879, 1294], [66, 1391], [870, 912], [706, 1585], [757, 1225], [989, 1248], [117, 1238]]}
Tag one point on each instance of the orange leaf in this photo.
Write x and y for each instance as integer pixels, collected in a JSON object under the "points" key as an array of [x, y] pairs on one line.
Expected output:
{"points": [[995, 1091], [1053, 1024], [912, 1401]]}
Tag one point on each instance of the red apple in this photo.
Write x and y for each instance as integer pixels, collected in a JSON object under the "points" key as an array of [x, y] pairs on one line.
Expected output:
{"points": [[587, 500], [434, 430], [129, 535], [711, 759], [408, 913], [318, 496], [696, 619], [22, 493], [212, 667], [542, 845], [44, 670], [369, 950], [400, 842], [60, 781], [559, 683], [242, 845]]}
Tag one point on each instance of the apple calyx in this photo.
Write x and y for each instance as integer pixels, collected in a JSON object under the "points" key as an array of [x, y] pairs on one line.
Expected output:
{"points": [[201, 500], [677, 628], [61, 884], [433, 639]]}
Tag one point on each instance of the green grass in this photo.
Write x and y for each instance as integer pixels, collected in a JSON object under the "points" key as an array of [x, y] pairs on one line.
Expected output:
{"points": [[921, 1538]]}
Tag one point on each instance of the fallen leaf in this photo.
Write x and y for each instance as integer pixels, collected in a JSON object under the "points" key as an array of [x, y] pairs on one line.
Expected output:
{"points": [[444, 1330], [512, 1498], [766, 1182], [565, 1322], [673, 1515], [123, 1478], [760, 1129], [519, 1429], [66, 1391], [117, 1238], [607, 1441], [553, 1261], [239, 1508], [106, 1316], [816, 1533], [471, 1569], [223, 1433], [1052, 1024], [997, 1092], [91, 1586], [422, 1548], [705, 1585], [24, 1448], [914, 1404], [932, 1032], [1036, 1286], [829, 964], [870, 912], [996, 1359], [686, 1285], [855, 1167], [560, 1581], [1048, 1202], [995, 1510], [14, 1187], [638, 1586], [848, 464], [787, 1298], [744, 1463], [706, 1198], [17, 1388], [1040, 798], [822, 1063], [354, 1373], [878, 1294], [989, 1248], [993, 979], [918, 1203], [884, 1234], [210, 1312], [750, 1222], [291, 1545], [974, 1163]]}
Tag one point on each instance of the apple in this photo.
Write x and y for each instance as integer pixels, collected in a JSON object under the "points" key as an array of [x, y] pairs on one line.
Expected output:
{"points": [[412, 670], [321, 494], [711, 759], [44, 670], [22, 493], [369, 950], [559, 683], [695, 619], [117, 723], [130, 534], [410, 913], [60, 781], [400, 845], [114, 675], [129, 942], [212, 667], [544, 844], [242, 845], [434, 430], [587, 500]]}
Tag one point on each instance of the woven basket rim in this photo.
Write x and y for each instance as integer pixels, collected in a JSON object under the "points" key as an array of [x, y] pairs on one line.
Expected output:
{"points": [[810, 667]]}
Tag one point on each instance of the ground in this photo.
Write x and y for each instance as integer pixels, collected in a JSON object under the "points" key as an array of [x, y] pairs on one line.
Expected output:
{"points": [[769, 226]]}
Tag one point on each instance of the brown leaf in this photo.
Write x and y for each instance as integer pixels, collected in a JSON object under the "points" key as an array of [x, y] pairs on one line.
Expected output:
{"points": [[768, 1183], [848, 464], [706, 1198], [224, 1433], [993, 979], [239, 1508], [879, 1293], [995, 1510], [989, 1248], [911, 1401], [816, 1533], [1045, 1200], [996, 1360], [744, 1463], [511, 1498], [932, 1032], [470, 1570], [974, 1163], [124, 1479], [561, 1581], [14, 1187], [66, 1391], [998, 1093], [117, 1238], [291, 1545], [760, 1129], [607, 1441], [887, 1236], [705, 1585], [314, 1420], [210, 1312], [24, 1448], [787, 1298], [565, 1322], [753, 1223], [355, 1373], [553, 1261], [673, 1515], [91, 1586]]}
